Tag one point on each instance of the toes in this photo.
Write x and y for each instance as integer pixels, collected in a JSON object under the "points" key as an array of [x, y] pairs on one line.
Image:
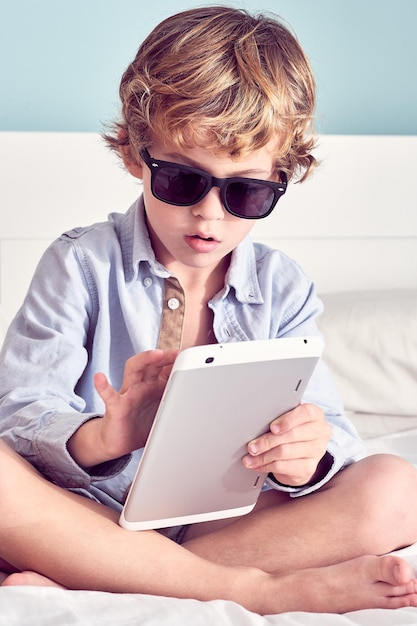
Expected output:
{"points": [[400, 601], [392, 570]]}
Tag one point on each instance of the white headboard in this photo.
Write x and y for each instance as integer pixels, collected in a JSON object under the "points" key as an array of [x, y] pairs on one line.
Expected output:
{"points": [[352, 226]]}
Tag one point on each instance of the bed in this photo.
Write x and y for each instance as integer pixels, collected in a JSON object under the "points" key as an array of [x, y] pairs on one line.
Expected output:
{"points": [[354, 229]]}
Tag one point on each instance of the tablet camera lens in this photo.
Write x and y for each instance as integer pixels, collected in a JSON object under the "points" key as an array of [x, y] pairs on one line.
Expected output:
{"points": [[210, 359]]}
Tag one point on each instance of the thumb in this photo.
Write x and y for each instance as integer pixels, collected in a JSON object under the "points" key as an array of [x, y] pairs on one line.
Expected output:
{"points": [[106, 392]]}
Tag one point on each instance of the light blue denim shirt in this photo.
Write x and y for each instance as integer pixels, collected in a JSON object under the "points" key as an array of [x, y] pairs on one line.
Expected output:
{"points": [[94, 301]]}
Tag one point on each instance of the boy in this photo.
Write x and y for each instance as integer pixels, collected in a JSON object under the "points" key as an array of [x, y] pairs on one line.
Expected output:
{"points": [[217, 108]]}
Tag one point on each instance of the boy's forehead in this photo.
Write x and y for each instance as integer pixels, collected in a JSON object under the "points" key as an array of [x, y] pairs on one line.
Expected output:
{"points": [[217, 160], [210, 145]]}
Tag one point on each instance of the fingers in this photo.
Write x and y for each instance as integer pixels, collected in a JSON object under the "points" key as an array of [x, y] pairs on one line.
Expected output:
{"points": [[148, 367], [130, 411], [302, 415], [294, 446], [293, 465], [144, 380], [303, 425]]}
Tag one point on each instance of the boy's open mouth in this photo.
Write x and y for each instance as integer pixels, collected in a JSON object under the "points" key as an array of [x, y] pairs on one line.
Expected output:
{"points": [[202, 237], [201, 242]]}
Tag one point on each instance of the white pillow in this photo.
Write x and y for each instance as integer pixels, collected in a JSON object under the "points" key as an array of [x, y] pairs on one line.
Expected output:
{"points": [[371, 349]]}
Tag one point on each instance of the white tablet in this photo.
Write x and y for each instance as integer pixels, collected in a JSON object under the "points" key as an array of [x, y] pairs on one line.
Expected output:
{"points": [[218, 397]]}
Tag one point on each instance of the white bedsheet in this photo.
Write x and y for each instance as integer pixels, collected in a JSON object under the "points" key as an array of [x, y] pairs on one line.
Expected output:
{"points": [[31, 606], [47, 606]]}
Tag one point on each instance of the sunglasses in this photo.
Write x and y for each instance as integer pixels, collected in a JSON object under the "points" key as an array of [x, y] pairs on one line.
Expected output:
{"points": [[182, 185]]}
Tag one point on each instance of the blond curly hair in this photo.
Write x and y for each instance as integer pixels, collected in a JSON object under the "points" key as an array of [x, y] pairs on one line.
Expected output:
{"points": [[220, 78]]}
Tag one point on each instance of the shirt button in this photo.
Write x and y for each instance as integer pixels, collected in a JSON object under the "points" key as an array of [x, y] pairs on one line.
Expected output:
{"points": [[147, 282], [173, 303]]}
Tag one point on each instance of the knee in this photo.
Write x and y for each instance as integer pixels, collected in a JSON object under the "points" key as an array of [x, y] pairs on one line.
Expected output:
{"points": [[389, 496], [391, 475]]}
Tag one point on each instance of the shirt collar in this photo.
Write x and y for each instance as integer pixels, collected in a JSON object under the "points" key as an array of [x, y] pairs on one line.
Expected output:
{"points": [[136, 244], [242, 274]]}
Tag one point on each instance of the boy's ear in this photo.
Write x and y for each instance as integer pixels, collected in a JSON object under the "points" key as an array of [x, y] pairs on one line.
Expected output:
{"points": [[133, 166]]}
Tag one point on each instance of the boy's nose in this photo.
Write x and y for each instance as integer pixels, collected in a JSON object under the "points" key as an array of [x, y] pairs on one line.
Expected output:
{"points": [[210, 207]]}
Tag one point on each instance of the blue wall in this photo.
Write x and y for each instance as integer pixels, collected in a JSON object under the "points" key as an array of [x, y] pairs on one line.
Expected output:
{"points": [[61, 60]]}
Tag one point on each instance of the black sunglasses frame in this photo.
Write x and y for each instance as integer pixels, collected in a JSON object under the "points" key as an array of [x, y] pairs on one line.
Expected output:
{"points": [[156, 165]]}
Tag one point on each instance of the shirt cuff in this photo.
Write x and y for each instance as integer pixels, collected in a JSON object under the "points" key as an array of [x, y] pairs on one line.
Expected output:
{"points": [[336, 461], [55, 462]]}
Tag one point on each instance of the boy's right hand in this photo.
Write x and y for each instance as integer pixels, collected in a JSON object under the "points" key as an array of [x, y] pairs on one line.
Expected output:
{"points": [[129, 412]]}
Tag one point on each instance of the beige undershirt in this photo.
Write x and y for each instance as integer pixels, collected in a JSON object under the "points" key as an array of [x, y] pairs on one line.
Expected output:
{"points": [[173, 313], [170, 334]]}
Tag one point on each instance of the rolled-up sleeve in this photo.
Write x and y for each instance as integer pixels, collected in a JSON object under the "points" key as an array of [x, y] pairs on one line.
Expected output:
{"points": [[43, 359]]}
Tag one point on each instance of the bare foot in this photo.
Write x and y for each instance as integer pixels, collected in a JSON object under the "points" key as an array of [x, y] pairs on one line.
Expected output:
{"points": [[29, 579], [361, 583]]}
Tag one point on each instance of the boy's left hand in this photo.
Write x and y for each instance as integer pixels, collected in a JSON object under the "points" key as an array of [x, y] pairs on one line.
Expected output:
{"points": [[293, 447]]}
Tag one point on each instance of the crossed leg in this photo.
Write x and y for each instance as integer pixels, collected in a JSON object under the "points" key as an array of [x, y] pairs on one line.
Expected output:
{"points": [[77, 543], [368, 508]]}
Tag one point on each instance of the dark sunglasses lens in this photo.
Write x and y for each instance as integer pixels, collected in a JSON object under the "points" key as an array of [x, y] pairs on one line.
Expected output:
{"points": [[249, 199], [177, 185]]}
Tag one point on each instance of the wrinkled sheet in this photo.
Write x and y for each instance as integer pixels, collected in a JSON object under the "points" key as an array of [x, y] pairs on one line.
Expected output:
{"points": [[47, 606]]}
